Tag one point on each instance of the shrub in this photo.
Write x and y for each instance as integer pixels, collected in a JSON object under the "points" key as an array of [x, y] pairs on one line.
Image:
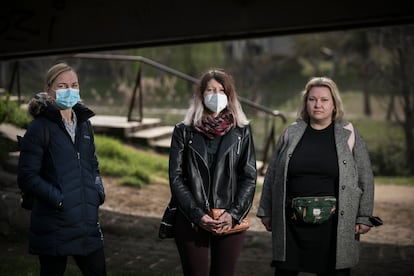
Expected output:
{"points": [[388, 159], [11, 113]]}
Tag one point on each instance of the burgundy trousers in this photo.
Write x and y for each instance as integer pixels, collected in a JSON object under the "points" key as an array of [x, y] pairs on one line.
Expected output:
{"points": [[203, 253]]}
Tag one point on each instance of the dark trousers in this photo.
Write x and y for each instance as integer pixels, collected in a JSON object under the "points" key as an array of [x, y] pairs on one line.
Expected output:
{"points": [[194, 246], [336, 272], [91, 265]]}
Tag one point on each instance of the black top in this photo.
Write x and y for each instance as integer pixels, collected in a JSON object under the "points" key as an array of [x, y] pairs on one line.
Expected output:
{"points": [[212, 148], [313, 168], [313, 171]]}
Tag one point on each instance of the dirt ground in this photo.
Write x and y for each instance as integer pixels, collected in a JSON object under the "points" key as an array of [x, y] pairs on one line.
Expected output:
{"points": [[130, 218]]}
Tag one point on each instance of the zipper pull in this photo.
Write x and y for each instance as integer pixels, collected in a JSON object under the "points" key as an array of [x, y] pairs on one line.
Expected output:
{"points": [[238, 145], [78, 155], [207, 206]]}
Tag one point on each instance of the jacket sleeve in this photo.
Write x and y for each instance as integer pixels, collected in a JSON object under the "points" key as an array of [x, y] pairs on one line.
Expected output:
{"points": [[265, 204], [32, 151], [365, 180], [246, 177], [95, 166]]}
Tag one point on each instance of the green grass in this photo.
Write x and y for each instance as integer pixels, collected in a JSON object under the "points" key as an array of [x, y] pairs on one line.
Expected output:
{"points": [[395, 180], [134, 167]]}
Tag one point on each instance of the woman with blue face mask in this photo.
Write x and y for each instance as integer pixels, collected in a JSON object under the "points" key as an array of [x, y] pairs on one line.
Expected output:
{"points": [[59, 168], [212, 165]]}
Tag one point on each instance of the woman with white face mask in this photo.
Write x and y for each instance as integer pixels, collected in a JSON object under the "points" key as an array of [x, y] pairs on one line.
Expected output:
{"points": [[59, 168], [212, 165]]}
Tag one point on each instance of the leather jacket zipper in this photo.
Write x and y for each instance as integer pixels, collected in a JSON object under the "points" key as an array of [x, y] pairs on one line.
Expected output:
{"points": [[207, 204]]}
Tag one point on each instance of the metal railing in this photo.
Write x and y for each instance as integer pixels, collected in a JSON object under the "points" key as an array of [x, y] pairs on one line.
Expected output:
{"points": [[270, 139], [270, 130]]}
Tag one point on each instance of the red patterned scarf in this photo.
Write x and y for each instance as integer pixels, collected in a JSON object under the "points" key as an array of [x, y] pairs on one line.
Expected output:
{"points": [[216, 126]]}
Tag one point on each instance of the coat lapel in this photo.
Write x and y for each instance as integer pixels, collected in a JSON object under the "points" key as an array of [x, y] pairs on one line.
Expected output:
{"points": [[231, 138], [341, 138], [199, 145]]}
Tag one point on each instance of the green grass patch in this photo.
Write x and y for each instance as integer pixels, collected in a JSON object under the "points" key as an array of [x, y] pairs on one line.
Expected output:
{"points": [[134, 167], [395, 180]]}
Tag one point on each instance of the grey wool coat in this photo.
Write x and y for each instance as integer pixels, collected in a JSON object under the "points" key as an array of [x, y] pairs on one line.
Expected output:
{"points": [[356, 190]]}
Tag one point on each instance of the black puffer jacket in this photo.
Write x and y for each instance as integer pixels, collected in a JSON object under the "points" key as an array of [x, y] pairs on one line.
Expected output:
{"points": [[232, 185], [55, 170]]}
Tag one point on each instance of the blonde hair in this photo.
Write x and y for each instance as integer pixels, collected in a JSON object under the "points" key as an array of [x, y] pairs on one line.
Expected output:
{"points": [[197, 110], [55, 71], [338, 112]]}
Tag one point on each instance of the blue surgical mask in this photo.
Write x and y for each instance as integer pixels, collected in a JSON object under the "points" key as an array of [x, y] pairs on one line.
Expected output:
{"points": [[67, 98]]}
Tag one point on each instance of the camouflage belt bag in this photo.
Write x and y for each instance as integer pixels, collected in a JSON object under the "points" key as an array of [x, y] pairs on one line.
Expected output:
{"points": [[313, 209]]}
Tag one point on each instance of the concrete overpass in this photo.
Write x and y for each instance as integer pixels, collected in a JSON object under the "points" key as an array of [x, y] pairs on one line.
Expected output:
{"points": [[39, 28]]}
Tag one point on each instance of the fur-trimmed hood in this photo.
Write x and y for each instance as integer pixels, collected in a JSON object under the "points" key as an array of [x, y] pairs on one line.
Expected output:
{"points": [[39, 103], [43, 104]]}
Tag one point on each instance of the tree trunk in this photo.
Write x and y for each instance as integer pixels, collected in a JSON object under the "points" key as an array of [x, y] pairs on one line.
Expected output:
{"points": [[365, 91], [390, 107], [407, 93]]}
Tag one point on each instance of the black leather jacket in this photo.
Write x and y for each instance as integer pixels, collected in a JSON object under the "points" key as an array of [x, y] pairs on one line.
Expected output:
{"points": [[231, 186]]}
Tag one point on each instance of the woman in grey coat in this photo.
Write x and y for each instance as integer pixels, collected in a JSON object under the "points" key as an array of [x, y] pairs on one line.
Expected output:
{"points": [[318, 190]]}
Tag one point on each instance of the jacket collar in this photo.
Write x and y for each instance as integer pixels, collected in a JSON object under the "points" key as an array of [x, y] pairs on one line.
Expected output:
{"points": [[297, 129], [197, 142], [52, 112]]}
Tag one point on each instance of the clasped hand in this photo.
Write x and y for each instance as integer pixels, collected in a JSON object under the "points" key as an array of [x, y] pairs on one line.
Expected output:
{"points": [[217, 226]]}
